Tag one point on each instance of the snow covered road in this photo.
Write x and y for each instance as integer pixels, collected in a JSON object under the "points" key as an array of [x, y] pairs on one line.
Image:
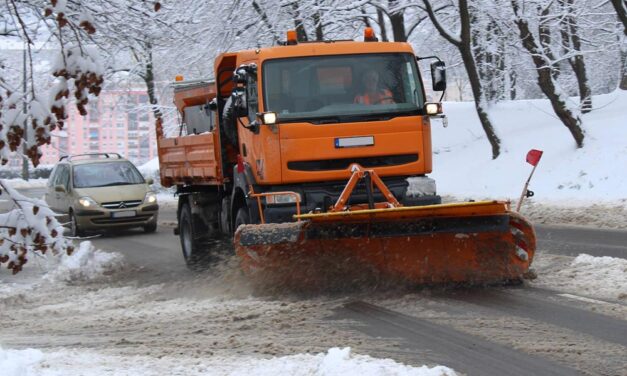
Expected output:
{"points": [[152, 310], [150, 315]]}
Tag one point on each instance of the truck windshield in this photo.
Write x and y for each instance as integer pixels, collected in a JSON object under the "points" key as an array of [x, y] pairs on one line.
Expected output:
{"points": [[342, 88]]}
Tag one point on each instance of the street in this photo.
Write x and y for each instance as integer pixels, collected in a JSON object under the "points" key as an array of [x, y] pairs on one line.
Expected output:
{"points": [[156, 306]]}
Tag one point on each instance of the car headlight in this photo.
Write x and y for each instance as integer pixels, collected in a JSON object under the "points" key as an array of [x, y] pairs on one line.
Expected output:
{"points": [[87, 202], [282, 199], [150, 198]]}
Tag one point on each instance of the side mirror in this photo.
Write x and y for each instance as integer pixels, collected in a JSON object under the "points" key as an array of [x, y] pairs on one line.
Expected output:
{"points": [[213, 105], [150, 181], [59, 188], [239, 76], [438, 75], [239, 102]]}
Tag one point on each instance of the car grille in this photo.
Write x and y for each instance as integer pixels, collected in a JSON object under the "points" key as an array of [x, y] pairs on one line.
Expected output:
{"points": [[121, 204], [128, 220]]}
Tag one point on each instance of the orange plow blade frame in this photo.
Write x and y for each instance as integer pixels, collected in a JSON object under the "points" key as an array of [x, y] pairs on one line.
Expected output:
{"points": [[469, 242]]}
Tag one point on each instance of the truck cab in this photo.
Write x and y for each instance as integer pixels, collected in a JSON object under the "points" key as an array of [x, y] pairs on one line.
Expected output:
{"points": [[330, 105]]}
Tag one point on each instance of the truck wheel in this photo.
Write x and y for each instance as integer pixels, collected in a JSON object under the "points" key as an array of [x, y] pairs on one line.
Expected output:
{"points": [[195, 254], [242, 218]]}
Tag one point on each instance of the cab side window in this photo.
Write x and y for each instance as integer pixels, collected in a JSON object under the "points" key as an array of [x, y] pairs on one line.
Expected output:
{"points": [[64, 177], [53, 176]]}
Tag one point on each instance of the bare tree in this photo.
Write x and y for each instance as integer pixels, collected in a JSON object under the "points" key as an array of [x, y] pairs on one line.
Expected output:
{"points": [[546, 81], [464, 44], [621, 12], [571, 42], [31, 227]]}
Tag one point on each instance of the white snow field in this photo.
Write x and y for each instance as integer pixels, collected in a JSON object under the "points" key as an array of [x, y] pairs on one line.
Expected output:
{"points": [[463, 165], [335, 361]]}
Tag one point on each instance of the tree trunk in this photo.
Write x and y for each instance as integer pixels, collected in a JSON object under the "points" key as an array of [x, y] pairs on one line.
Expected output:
{"points": [[465, 48], [149, 80], [621, 12], [301, 33], [317, 19], [544, 36], [381, 21], [623, 58], [464, 45], [546, 81], [572, 43], [475, 86], [397, 19]]}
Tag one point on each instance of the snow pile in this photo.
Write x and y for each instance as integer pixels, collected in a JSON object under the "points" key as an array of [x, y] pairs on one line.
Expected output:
{"points": [[23, 184], [19, 362], [86, 263], [463, 167], [596, 277], [342, 362], [335, 362], [150, 169]]}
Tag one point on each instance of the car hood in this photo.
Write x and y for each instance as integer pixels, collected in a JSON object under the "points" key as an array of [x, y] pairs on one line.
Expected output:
{"points": [[114, 193]]}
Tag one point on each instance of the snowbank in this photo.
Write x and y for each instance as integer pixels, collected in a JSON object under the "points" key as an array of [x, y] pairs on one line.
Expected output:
{"points": [[463, 165], [335, 362], [86, 263], [19, 362], [596, 277], [23, 184], [150, 169]]}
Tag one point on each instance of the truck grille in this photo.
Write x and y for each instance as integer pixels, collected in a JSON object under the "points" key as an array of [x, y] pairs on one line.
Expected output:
{"points": [[121, 204], [341, 164]]}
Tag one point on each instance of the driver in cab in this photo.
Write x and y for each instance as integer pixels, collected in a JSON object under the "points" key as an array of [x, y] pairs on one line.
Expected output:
{"points": [[372, 93]]}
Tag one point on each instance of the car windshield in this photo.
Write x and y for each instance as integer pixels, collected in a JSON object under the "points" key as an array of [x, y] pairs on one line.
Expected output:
{"points": [[342, 88], [106, 174]]}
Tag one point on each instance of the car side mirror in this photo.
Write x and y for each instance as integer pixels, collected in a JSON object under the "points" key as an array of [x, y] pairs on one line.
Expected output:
{"points": [[59, 188], [150, 181], [438, 75]]}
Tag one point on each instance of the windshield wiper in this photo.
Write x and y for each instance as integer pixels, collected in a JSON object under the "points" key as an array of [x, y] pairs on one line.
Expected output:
{"points": [[114, 183]]}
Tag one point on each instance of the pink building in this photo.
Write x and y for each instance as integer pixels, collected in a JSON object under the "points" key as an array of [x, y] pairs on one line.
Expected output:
{"points": [[117, 122]]}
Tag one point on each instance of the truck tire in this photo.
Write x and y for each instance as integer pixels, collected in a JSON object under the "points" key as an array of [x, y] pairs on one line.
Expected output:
{"points": [[242, 218], [194, 251]]}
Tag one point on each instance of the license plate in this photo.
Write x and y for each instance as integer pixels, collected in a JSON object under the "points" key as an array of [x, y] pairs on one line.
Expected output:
{"points": [[123, 214], [351, 142]]}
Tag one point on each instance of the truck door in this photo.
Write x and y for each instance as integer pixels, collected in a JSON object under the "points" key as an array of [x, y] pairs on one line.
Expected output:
{"points": [[261, 147]]}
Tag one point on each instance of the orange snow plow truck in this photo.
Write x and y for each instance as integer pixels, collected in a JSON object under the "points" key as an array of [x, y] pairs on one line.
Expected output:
{"points": [[313, 157]]}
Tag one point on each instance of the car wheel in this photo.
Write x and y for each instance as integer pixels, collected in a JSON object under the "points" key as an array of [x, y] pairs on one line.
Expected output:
{"points": [[194, 251], [75, 231], [150, 228]]}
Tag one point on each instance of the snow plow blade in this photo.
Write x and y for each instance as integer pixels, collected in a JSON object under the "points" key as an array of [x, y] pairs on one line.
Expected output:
{"points": [[471, 242]]}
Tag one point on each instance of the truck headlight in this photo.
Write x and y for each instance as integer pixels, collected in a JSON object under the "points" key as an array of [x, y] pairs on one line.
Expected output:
{"points": [[150, 198], [282, 199], [87, 202]]}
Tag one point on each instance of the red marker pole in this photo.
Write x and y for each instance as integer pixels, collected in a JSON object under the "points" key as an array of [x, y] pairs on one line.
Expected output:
{"points": [[533, 158]]}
